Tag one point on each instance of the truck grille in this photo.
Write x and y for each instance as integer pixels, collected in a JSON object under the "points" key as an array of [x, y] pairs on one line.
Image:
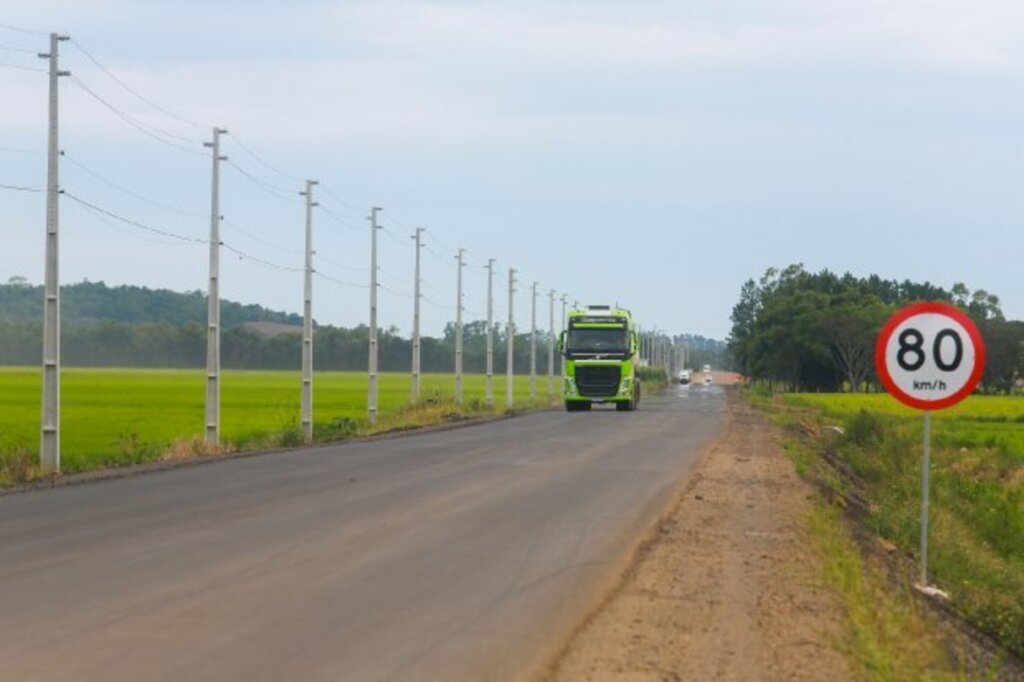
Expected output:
{"points": [[598, 381]]}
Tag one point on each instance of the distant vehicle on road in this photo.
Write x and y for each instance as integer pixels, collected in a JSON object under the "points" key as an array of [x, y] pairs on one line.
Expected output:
{"points": [[707, 369], [684, 377]]}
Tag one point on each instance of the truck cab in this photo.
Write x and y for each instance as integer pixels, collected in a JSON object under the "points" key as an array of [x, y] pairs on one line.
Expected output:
{"points": [[600, 346]]}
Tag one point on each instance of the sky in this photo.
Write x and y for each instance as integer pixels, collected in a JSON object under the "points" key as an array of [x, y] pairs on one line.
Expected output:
{"points": [[651, 154]]}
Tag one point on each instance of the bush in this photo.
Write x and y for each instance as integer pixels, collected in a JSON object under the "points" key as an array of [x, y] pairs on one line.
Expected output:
{"points": [[337, 429], [865, 429]]}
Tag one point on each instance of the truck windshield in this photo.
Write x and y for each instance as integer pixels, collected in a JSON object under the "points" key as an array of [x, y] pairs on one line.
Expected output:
{"points": [[598, 341]]}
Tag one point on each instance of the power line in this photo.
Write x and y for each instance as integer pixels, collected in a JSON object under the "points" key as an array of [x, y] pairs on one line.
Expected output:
{"points": [[142, 127], [149, 126], [270, 264], [338, 219], [134, 223], [139, 96], [19, 188], [269, 188], [19, 29], [24, 50], [99, 217], [257, 238], [436, 304], [263, 162], [125, 190], [392, 291], [340, 282], [15, 150], [22, 68], [340, 199]]}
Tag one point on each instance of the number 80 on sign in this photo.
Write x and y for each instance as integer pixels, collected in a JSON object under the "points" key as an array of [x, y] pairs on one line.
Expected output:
{"points": [[930, 355]]}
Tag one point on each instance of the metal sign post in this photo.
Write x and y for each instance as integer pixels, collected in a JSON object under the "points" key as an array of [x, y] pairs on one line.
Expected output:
{"points": [[929, 356]]}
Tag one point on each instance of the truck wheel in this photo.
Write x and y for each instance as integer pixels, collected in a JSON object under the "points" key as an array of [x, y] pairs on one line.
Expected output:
{"points": [[625, 407], [573, 406]]}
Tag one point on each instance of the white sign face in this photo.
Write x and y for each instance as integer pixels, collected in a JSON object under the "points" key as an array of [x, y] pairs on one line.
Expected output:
{"points": [[930, 355]]}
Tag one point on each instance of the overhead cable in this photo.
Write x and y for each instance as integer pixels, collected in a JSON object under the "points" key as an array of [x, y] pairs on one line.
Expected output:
{"points": [[138, 95]]}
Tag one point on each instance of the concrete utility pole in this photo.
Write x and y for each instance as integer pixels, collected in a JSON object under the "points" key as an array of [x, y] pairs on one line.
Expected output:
{"points": [[458, 330], [49, 438], [371, 402], [416, 320], [489, 394], [307, 320], [551, 344], [213, 300], [533, 342], [511, 332], [561, 362]]}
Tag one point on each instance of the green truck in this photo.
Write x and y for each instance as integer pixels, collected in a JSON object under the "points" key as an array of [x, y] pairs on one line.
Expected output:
{"points": [[600, 346]]}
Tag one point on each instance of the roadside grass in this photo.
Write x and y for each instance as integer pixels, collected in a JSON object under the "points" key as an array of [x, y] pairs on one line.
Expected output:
{"points": [[114, 417], [977, 490], [884, 635]]}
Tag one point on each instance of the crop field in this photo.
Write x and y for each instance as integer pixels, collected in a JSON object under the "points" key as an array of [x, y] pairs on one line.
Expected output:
{"points": [[995, 422], [118, 416], [977, 492]]}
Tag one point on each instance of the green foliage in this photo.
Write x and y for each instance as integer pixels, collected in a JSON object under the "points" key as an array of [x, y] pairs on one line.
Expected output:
{"points": [[137, 327], [865, 428], [655, 376], [95, 301], [795, 330], [336, 428], [977, 494], [884, 635]]}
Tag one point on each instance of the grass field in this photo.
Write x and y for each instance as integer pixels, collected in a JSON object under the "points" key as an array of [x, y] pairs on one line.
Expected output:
{"points": [[977, 491], [119, 416]]}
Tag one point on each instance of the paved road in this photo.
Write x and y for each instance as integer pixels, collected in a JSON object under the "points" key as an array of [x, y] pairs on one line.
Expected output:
{"points": [[462, 555]]}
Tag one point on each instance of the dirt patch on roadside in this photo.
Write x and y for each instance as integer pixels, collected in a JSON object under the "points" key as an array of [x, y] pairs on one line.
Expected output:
{"points": [[727, 588]]}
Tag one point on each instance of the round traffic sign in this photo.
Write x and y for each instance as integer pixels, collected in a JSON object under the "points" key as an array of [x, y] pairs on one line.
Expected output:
{"points": [[930, 355]]}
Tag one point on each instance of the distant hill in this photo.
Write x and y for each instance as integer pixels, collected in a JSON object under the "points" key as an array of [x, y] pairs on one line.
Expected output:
{"points": [[95, 301]]}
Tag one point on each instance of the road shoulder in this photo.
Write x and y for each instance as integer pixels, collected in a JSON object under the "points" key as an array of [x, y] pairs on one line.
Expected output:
{"points": [[727, 584]]}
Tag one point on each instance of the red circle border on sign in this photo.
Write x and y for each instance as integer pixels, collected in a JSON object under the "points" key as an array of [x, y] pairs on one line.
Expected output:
{"points": [[901, 316]]}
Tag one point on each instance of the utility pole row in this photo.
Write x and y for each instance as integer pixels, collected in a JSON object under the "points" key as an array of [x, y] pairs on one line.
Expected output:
{"points": [[50, 422]]}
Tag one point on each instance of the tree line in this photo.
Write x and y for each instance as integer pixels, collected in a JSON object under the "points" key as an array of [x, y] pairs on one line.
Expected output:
{"points": [[107, 343], [130, 326], [93, 301], [803, 331]]}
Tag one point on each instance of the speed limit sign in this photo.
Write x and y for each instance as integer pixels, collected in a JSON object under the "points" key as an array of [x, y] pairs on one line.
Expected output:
{"points": [[930, 355]]}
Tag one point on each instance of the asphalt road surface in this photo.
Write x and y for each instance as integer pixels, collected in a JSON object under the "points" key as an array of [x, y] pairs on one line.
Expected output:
{"points": [[461, 555]]}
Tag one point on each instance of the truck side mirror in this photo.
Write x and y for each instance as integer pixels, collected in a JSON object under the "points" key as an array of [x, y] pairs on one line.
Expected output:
{"points": [[561, 343]]}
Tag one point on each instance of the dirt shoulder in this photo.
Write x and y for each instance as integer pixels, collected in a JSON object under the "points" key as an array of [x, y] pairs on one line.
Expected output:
{"points": [[727, 586]]}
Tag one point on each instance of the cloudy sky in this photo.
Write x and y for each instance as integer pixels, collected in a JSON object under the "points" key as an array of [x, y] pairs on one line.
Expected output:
{"points": [[655, 154]]}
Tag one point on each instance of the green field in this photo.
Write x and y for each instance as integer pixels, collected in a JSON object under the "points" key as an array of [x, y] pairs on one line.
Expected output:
{"points": [[995, 422], [118, 416], [977, 491]]}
